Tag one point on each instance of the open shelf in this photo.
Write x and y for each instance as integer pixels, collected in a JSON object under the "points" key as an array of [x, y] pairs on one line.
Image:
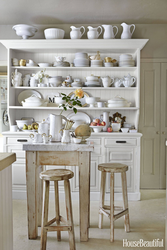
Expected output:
{"points": [[85, 88], [79, 108]]}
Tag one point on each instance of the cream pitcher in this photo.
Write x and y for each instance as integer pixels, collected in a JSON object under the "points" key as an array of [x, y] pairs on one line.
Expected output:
{"points": [[76, 32], [56, 126], [93, 32], [109, 31], [127, 32]]}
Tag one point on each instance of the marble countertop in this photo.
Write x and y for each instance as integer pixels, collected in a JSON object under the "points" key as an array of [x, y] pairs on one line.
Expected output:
{"points": [[6, 159], [57, 146]]}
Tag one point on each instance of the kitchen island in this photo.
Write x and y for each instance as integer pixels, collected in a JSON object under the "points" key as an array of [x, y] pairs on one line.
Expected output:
{"points": [[60, 154], [6, 207]]}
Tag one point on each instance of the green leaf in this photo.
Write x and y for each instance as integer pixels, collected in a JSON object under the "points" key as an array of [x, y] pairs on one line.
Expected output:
{"points": [[75, 110]]}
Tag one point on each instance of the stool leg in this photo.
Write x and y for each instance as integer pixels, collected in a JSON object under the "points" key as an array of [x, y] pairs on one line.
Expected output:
{"points": [[57, 208], [69, 213], [112, 207], [102, 196], [45, 207], [125, 200]]}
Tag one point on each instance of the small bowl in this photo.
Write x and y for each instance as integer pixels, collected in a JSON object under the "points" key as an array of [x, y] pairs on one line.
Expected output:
{"points": [[24, 30], [53, 33], [77, 140], [20, 123], [125, 130]]}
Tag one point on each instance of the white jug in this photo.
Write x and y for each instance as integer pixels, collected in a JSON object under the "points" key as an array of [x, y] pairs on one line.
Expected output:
{"points": [[127, 33], [107, 81], [105, 118], [56, 126], [93, 32], [66, 136], [128, 81], [76, 32], [109, 31], [36, 138], [43, 128]]}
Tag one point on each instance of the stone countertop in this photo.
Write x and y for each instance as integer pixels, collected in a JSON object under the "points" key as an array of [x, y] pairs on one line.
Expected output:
{"points": [[57, 146], [6, 159]]}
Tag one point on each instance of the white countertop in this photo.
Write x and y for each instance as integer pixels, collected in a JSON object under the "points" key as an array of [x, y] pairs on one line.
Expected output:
{"points": [[57, 146], [6, 159]]}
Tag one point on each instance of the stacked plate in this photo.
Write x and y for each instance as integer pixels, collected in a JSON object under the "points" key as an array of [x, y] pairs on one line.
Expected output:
{"points": [[81, 60], [126, 60], [96, 63], [61, 64], [92, 81]]}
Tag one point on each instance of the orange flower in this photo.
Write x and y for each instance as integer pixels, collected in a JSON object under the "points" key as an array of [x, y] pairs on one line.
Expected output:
{"points": [[79, 93]]}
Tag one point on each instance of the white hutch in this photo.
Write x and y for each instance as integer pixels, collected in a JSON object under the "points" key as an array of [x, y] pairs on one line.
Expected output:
{"points": [[109, 147]]}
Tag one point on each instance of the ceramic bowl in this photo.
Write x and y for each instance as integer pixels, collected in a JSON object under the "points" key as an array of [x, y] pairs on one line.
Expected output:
{"points": [[91, 100], [77, 140], [58, 100], [53, 33], [92, 78], [24, 30], [125, 130], [20, 123], [43, 65], [97, 129]]}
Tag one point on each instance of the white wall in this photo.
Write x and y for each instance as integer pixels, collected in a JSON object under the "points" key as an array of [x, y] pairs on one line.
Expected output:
{"points": [[156, 33]]}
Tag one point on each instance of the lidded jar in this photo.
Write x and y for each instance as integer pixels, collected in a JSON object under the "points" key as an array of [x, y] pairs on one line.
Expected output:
{"points": [[43, 128]]}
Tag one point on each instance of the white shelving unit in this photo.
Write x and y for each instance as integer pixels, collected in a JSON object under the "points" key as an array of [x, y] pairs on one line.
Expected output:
{"points": [[106, 150]]}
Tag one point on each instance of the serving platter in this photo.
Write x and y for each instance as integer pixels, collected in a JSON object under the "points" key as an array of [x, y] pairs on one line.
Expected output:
{"points": [[79, 116]]}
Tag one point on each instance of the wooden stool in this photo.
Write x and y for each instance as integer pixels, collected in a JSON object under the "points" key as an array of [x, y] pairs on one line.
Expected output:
{"points": [[57, 175], [113, 168]]}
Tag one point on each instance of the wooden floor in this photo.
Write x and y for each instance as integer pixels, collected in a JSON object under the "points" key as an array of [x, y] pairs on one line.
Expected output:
{"points": [[147, 221]]}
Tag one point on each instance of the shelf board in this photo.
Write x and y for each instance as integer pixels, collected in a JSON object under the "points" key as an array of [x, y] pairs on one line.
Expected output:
{"points": [[79, 108], [85, 88], [77, 68]]}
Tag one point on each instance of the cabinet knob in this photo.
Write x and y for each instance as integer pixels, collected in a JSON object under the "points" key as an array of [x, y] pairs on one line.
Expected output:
{"points": [[157, 132]]}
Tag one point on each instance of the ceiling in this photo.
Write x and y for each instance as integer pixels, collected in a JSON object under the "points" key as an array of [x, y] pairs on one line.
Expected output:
{"points": [[87, 11]]}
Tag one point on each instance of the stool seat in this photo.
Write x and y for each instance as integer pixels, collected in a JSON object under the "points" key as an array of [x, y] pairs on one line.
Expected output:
{"points": [[56, 175], [112, 167]]}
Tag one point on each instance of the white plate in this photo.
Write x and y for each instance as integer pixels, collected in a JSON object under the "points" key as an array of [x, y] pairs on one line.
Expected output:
{"points": [[79, 116], [27, 93]]}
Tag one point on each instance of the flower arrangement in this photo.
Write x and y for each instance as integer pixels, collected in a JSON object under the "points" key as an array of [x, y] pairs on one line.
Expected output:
{"points": [[40, 75], [71, 102]]}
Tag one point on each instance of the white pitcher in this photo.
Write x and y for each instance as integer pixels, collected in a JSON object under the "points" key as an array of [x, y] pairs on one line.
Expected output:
{"points": [[93, 32], [105, 118], [56, 126], [109, 31], [76, 32], [127, 33]]}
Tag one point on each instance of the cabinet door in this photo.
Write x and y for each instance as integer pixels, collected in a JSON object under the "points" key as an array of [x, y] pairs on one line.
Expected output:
{"points": [[149, 125], [163, 159]]}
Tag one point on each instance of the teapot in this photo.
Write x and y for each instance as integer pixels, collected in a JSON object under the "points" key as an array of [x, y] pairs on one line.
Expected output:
{"points": [[60, 58], [128, 81], [93, 32], [56, 126], [127, 33], [107, 81], [109, 31], [76, 32]]}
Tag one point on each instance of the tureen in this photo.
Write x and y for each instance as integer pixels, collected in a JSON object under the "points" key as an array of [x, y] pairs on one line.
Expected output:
{"points": [[33, 101]]}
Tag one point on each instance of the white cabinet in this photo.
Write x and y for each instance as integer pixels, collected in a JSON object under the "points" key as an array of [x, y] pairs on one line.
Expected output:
{"points": [[105, 148]]}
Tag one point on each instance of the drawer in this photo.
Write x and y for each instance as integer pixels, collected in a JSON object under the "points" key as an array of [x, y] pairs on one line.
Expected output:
{"points": [[95, 141], [15, 140], [120, 142]]}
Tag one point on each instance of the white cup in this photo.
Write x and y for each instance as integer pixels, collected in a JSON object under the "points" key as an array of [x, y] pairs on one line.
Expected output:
{"points": [[100, 104], [37, 138], [13, 128]]}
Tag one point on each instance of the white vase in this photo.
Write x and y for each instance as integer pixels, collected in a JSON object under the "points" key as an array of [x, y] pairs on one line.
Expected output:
{"points": [[66, 136]]}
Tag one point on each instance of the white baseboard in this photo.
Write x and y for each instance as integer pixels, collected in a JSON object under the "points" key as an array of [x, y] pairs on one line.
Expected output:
{"points": [[21, 194]]}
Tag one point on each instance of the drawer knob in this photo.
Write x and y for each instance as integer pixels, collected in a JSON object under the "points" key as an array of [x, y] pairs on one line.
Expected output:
{"points": [[120, 141], [22, 140]]}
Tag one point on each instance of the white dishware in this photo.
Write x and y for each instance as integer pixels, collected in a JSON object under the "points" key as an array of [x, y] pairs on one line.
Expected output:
{"points": [[100, 104], [105, 117], [53, 33], [96, 63], [43, 65], [60, 58], [92, 78], [76, 32], [117, 82], [91, 100], [128, 81], [127, 32], [43, 128], [81, 116], [36, 138], [125, 130], [109, 31], [13, 128], [55, 84], [93, 32], [46, 138], [33, 82], [27, 93], [77, 140], [59, 100], [20, 123], [97, 129], [81, 55], [127, 125], [116, 126], [66, 136], [77, 123], [56, 126], [108, 64], [25, 82], [107, 81], [33, 100], [24, 30], [15, 62], [118, 101]]}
